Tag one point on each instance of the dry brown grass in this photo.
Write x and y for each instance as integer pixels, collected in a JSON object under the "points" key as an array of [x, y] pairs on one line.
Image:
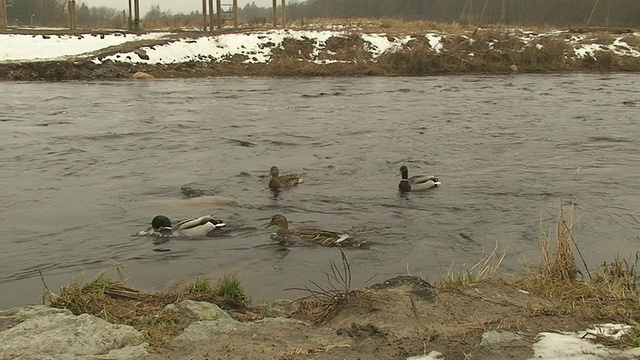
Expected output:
{"points": [[632, 40], [385, 25], [485, 269], [610, 294], [600, 37], [325, 301], [552, 55], [560, 262], [109, 299]]}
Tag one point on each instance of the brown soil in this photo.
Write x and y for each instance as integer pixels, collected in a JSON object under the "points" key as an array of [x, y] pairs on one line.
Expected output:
{"points": [[403, 318]]}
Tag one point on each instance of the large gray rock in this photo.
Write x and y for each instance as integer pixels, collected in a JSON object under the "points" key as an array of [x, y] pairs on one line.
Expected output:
{"points": [[42, 332], [212, 321], [196, 310], [280, 308], [203, 330]]}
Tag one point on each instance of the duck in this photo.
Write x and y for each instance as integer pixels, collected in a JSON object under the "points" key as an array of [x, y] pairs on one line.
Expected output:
{"points": [[417, 182], [283, 181], [311, 235], [200, 226]]}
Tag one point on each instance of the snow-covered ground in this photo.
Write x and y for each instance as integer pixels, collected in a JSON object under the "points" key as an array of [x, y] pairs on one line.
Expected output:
{"points": [[578, 346], [257, 46], [17, 47]]}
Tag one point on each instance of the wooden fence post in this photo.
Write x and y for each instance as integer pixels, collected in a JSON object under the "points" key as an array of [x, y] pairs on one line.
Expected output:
{"points": [[204, 15], [130, 27], [3, 14], [136, 19], [72, 15], [219, 13], [235, 13], [274, 14], [211, 16], [284, 13]]}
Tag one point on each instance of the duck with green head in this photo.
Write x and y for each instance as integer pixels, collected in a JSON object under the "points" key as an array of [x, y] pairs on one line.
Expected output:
{"points": [[417, 182], [311, 235], [282, 181], [201, 226]]}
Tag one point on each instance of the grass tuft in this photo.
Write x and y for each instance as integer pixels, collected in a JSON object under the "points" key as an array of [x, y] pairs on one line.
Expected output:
{"points": [[609, 295], [109, 299], [484, 269], [229, 287], [325, 301]]}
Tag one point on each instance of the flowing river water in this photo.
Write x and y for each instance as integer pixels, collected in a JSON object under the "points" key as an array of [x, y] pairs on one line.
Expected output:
{"points": [[86, 165]]}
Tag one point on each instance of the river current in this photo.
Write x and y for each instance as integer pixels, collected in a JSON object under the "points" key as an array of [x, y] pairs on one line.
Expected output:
{"points": [[86, 165]]}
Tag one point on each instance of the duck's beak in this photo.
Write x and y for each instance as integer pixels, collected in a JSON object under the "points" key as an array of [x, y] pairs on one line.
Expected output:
{"points": [[270, 224], [399, 173]]}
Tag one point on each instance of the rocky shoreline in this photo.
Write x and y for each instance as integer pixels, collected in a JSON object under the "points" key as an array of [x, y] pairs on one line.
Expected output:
{"points": [[401, 318]]}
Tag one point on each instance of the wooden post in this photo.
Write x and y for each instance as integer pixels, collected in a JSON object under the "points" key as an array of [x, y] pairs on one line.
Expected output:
{"points": [[130, 17], [284, 13], [3, 14], [274, 13], [219, 13], [204, 15], [136, 18], [72, 15], [235, 13], [211, 16]]}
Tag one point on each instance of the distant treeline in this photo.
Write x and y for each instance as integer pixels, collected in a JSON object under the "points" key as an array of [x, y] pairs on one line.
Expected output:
{"points": [[525, 12], [619, 13]]}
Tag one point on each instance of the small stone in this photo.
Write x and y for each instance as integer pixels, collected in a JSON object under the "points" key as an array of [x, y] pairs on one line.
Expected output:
{"points": [[142, 54], [498, 337], [142, 75], [433, 355]]}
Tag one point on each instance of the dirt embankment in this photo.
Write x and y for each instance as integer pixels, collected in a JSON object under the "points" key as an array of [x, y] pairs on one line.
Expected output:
{"points": [[483, 51], [397, 319]]}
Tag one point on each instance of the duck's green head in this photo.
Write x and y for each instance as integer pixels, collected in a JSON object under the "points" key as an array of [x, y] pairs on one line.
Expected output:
{"points": [[404, 172], [160, 221]]}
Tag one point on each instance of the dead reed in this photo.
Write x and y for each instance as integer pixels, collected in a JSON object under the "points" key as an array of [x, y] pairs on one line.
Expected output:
{"points": [[325, 301]]}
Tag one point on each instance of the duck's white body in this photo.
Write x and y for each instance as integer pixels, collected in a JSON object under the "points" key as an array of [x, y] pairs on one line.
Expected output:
{"points": [[201, 226], [417, 182], [422, 182]]}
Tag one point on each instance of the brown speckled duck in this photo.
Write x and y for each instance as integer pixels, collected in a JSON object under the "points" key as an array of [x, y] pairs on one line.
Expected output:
{"points": [[311, 235], [284, 181]]}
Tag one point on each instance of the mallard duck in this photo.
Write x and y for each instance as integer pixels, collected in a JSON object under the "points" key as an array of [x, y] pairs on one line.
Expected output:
{"points": [[312, 235], [283, 181], [417, 182], [202, 226]]}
